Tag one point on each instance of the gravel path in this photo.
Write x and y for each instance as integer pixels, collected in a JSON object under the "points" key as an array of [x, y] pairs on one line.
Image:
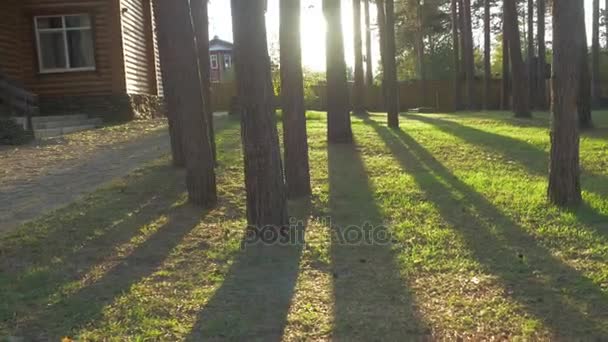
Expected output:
{"points": [[25, 198]]}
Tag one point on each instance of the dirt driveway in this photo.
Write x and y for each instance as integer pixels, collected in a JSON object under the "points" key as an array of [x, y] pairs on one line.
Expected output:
{"points": [[49, 174]]}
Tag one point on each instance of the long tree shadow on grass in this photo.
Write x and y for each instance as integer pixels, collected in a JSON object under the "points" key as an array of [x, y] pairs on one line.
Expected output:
{"points": [[44, 258], [47, 254], [371, 298], [73, 311], [537, 120], [66, 237], [253, 301], [533, 159], [529, 156], [567, 302]]}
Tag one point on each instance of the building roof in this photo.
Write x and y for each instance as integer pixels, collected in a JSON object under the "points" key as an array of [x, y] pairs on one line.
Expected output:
{"points": [[217, 44]]}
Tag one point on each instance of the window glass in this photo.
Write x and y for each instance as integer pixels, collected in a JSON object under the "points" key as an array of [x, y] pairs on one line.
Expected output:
{"points": [[80, 48], [50, 23], [52, 49], [227, 61], [65, 48], [77, 21]]}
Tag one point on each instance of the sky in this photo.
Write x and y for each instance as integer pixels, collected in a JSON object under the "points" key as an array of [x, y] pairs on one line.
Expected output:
{"points": [[313, 29]]}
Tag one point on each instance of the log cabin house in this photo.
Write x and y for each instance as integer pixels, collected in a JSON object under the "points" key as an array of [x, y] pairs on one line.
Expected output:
{"points": [[97, 57]]}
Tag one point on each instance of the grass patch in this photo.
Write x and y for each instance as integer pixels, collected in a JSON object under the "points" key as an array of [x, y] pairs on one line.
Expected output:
{"points": [[474, 251]]}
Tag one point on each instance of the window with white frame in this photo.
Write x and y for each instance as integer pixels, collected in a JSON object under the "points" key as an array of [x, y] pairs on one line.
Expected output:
{"points": [[65, 43], [214, 64], [227, 62]]}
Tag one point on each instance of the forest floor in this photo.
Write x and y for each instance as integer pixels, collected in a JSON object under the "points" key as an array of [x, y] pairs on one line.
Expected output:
{"points": [[464, 246]]}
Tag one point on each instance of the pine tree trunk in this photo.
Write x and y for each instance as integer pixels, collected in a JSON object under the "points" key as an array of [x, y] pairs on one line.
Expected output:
{"points": [[369, 69], [177, 149], [584, 91], [596, 90], [297, 169], [266, 195], [564, 170], [530, 62], [606, 23], [338, 114], [381, 12], [181, 81], [541, 88], [506, 67], [456, 56], [419, 41], [359, 86], [469, 62], [521, 95], [200, 17], [392, 87], [420, 49], [486, 55]]}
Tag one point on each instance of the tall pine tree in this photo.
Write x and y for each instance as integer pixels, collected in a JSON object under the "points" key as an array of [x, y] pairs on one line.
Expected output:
{"points": [[564, 167], [338, 112], [182, 85], [297, 168], [265, 187]]}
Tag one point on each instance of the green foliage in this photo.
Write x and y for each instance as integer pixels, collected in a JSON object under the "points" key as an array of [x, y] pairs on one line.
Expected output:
{"points": [[12, 133], [603, 65], [431, 20], [311, 80], [496, 63]]}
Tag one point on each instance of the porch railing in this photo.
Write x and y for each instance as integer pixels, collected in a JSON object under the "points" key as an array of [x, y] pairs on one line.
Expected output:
{"points": [[18, 100]]}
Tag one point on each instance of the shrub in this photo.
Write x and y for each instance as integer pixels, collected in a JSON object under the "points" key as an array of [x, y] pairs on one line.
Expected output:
{"points": [[11, 133], [311, 80]]}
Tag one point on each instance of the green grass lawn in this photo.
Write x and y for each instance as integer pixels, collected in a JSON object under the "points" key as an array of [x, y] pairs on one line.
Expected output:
{"points": [[475, 250]]}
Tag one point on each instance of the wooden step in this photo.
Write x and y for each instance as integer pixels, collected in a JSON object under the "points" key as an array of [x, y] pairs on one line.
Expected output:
{"points": [[55, 132]]}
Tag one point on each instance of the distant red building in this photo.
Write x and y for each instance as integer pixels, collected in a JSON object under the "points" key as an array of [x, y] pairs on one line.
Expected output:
{"points": [[220, 59]]}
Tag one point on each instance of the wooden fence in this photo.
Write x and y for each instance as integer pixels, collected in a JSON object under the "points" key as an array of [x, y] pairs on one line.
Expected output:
{"points": [[437, 94], [222, 95]]}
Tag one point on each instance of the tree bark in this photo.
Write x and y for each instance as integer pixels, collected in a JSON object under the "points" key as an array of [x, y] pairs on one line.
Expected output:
{"points": [[419, 42], [392, 87], [584, 100], [181, 81], [266, 195], [521, 95], [200, 17], [486, 55], [564, 170], [175, 136], [369, 69], [381, 13], [420, 49], [177, 149], [606, 23], [297, 168], [596, 90], [338, 117], [456, 56], [359, 85], [468, 58], [530, 62], [506, 66], [541, 88]]}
